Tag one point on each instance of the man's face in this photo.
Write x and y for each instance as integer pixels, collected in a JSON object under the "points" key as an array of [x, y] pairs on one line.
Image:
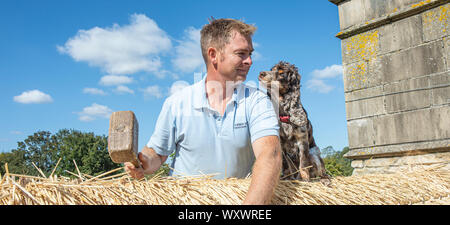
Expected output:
{"points": [[234, 61]]}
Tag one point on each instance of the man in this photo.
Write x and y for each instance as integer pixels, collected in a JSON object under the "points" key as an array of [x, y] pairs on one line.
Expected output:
{"points": [[219, 125]]}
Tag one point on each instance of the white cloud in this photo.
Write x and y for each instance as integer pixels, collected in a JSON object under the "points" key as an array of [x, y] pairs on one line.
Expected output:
{"points": [[189, 57], [93, 91], [119, 49], [319, 86], [256, 56], [164, 73], [153, 91], [115, 80], [177, 86], [94, 111], [319, 77], [121, 89], [16, 132], [328, 72], [33, 97]]}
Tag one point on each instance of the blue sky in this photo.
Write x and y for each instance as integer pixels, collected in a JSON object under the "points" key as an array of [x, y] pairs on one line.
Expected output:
{"points": [[69, 64]]}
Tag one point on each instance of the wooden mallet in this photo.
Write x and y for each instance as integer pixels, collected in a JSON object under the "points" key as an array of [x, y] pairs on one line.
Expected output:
{"points": [[123, 138]]}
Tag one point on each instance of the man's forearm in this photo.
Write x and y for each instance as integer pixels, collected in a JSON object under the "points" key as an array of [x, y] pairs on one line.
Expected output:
{"points": [[155, 160], [265, 176]]}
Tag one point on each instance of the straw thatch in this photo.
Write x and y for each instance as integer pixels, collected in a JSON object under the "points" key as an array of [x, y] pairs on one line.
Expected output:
{"points": [[414, 187]]}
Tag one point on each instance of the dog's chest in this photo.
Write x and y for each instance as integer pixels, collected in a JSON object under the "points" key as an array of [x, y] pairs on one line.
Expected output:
{"points": [[287, 139], [287, 134]]}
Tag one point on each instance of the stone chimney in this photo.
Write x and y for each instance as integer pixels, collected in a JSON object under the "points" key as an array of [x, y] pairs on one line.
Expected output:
{"points": [[396, 63]]}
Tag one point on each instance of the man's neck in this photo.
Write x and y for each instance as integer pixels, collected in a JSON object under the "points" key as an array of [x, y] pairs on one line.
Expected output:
{"points": [[219, 91], [218, 87]]}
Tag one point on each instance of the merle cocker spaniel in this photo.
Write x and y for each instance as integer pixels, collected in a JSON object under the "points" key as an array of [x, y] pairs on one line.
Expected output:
{"points": [[301, 156]]}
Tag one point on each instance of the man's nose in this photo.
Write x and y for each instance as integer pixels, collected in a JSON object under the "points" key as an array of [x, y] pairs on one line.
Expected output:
{"points": [[248, 60]]}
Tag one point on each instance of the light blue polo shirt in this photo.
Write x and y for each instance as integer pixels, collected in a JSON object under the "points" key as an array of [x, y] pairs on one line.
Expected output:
{"points": [[206, 142]]}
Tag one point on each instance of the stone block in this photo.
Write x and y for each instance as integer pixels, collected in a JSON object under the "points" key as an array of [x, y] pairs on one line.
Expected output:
{"points": [[361, 47], [441, 88], [414, 62], [408, 101], [447, 51], [407, 85], [362, 75], [357, 12], [431, 158], [365, 108], [379, 162], [375, 9], [423, 159], [441, 96], [360, 133], [440, 80], [396, 5], [401, 34], [364, 93], [412, 126], [440, 122], [351, 13], [359, 171], [401, 149], [357, 163], [400, 169], [355, 75], [436, 23]]}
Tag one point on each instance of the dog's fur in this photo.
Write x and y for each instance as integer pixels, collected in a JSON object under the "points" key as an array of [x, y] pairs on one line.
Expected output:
{"points": [[301, 156]]}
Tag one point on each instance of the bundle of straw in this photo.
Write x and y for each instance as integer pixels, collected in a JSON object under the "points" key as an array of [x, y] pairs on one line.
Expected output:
{"points": [[416, 187]]}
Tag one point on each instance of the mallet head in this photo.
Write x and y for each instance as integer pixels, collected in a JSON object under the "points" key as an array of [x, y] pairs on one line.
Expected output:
{"points": [[123, 138]]}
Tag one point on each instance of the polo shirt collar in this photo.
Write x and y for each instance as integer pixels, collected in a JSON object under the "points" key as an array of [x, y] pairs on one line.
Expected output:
{"points": [[200, 100]]}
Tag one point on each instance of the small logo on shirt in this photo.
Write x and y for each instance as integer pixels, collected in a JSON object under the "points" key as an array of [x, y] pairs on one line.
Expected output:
{"points": [[240, 125]]}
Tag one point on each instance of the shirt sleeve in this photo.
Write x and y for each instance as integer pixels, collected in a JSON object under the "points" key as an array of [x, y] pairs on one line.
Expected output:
{"points": [[163, 138], [262, 119]]}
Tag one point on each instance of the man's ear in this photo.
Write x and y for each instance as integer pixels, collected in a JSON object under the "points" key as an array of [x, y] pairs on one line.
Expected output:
{"points": [[212, 55]]}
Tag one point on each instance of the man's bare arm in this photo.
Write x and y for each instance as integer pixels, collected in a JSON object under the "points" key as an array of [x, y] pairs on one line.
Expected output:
{"points": [[266, 170], [150, 161]]}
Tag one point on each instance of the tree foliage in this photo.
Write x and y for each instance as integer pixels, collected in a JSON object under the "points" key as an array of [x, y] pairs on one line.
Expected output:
{"points": [[335, 163], [44, 150]]}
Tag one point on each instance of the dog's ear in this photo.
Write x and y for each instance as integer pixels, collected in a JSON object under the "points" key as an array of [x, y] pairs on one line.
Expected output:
{"points": [[291, 74], [275, 68], [292, 78], [295, 73], [299, 76]]}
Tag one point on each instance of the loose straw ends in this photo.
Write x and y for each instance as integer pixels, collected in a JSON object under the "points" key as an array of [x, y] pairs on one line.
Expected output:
{"points": [[416, 187]]}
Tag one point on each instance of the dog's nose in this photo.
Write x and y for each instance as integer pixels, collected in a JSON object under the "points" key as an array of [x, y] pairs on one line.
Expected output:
{"points": [[262, 74]]}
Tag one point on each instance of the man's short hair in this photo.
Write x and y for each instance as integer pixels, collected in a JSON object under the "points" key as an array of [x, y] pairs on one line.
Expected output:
{"points": [[218, 33]]}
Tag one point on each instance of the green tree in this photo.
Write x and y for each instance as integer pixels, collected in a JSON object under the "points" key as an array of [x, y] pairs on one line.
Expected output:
{"points": [[16, 162], [88, 150], [37, 149], [335, 162]]}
